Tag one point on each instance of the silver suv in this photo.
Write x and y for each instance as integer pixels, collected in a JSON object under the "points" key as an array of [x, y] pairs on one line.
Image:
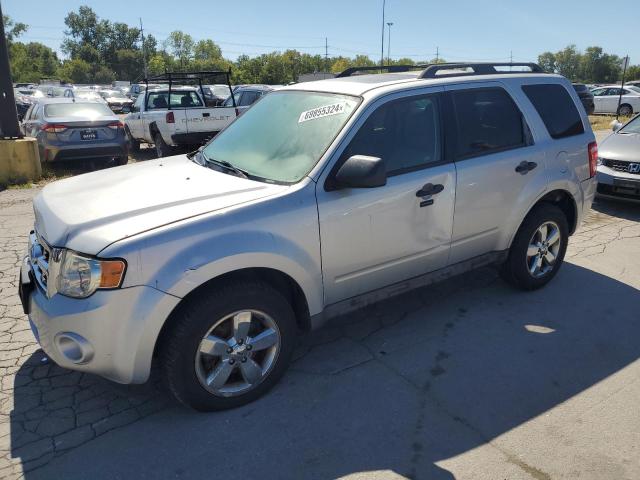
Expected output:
{"points": [[322, 198]]}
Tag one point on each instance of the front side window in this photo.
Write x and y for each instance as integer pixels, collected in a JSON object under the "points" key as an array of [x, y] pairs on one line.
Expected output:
{"points": [[632, 127], [598, 92], [248, 98], [556, 108], [284, 135], [487, 121], [405, 133]]}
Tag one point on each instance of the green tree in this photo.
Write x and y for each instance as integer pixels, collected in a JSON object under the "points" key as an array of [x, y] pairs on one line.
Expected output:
{"points": [[75, 71], [180, 45], [32, 61], [547, 61], [13, 30]]}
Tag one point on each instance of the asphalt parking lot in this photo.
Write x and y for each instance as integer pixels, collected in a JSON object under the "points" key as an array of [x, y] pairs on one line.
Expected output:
{"points": [[468, 379]]}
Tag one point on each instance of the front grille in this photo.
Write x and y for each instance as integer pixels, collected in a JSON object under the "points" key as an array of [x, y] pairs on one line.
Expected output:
{"points": [[39, 256], [618, 165]]}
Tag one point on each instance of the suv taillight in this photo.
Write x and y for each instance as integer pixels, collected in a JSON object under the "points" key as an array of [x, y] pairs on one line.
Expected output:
{"points": [[593, 158], [170, 118], [53, 128]]}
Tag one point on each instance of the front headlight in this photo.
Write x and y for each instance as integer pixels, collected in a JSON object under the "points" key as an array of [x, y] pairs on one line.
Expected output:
{"points": [[79, 276]]}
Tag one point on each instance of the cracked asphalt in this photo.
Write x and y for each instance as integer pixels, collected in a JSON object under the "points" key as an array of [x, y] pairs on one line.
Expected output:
{"points": [[468, 379]]}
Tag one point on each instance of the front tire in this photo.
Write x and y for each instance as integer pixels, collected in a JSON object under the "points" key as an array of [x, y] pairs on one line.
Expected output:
{"points": [[538, 249], [228, 346]]}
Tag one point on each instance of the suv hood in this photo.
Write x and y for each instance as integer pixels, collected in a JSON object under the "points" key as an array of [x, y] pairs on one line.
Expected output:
{"points": [[89, 212]]}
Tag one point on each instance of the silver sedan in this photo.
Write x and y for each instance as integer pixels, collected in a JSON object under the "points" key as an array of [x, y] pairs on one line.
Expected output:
{"points": [[619, 161]]}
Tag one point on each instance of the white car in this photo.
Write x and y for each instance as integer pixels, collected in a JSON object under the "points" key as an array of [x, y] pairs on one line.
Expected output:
{"points": [[606, 100], [171, 118]]}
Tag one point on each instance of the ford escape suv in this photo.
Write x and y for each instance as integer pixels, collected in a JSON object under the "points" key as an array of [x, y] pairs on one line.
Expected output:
{"points": [[322, 198]]}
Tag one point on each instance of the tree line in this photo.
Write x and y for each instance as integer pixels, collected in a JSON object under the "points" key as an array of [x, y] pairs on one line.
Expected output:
{"points": [[101, 51]]}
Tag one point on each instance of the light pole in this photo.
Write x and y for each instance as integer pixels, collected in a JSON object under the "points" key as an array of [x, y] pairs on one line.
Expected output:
{"points": [[382, 42], [389, 24]]}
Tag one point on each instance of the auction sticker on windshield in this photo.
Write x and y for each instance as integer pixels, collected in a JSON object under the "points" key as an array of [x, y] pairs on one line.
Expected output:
{"points": [[325, 111]]}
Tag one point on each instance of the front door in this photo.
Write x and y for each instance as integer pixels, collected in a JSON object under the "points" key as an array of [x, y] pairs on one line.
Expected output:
{"points": [[371, 238]]}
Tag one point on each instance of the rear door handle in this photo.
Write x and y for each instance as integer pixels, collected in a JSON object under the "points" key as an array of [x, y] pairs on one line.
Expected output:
{"points": [[525, 167], [430, 189]]}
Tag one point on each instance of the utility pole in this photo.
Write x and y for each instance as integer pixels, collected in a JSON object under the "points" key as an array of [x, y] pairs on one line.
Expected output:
{"points": [[625, 64], [437, 54], [9, 127], [382, 42], [389, 24], [144, 52], [326, 54]]}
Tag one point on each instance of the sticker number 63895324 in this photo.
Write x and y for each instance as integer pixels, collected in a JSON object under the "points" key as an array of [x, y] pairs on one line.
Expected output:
{"points": [[320, 112]]}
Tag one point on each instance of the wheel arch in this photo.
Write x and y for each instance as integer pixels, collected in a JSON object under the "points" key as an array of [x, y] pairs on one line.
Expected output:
{"points": [[278, 279], [559, 197]]}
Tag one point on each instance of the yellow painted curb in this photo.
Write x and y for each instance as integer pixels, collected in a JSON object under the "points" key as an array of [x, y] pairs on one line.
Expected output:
{"points": [[19, 161]]}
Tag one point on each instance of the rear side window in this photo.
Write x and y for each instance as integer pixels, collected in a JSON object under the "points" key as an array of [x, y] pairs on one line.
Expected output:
{"points": [[556, 108], [488, 121]]}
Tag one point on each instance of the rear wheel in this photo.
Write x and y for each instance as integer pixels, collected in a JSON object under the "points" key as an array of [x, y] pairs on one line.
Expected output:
{"points": [[134, 145], [538, 248], [229, 346], [162, 149], [625, 110], [122, 160]]}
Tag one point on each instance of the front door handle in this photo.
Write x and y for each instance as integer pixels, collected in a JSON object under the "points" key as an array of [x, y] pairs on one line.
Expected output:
{"points": [[430, 189], [525, 167]]}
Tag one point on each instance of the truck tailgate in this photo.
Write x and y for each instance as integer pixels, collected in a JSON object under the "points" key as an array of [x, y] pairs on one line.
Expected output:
{"points": [[211, 119]]}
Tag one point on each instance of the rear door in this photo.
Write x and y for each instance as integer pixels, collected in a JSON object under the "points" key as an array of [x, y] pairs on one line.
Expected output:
{"points": [[498, 166], [375, 237]]}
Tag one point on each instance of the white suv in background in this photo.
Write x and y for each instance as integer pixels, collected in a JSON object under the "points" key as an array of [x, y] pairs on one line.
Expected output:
{"points": [[322, 198]]}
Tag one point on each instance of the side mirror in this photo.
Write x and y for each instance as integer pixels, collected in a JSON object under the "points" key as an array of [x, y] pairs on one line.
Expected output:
{"points": [[616, 125], [361, 171]]}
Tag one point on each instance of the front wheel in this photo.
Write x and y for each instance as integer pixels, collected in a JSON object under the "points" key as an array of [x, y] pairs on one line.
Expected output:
{"points": [[229, 346], [538, 249]]}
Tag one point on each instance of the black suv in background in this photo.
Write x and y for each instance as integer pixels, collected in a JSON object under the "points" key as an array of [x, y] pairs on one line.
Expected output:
{"points": [[586, 97]]}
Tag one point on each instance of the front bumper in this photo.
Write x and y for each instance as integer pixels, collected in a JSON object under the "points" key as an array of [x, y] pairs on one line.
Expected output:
{"points": [[112, 333], [613, 183]]}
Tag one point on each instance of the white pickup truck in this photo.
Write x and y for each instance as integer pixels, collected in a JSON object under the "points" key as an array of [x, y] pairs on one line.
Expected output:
{"points": [[172, 118]]}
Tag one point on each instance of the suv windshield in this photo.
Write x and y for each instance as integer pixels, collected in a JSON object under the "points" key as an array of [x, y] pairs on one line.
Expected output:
{"points": [[283, 135], [632, 127]]}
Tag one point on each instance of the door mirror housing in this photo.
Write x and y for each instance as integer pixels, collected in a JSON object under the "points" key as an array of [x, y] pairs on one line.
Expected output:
{"points": [[360, 171], [616, 125]]}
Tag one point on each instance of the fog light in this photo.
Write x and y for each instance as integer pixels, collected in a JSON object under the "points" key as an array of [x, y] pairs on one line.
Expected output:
{"points": [[74, 347]]}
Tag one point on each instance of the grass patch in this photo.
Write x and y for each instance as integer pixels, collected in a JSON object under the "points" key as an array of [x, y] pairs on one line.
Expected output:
{"points": [[603, 122]]}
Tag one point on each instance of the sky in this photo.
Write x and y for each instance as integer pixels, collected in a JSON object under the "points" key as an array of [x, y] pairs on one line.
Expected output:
{"points": [[459, 29]]}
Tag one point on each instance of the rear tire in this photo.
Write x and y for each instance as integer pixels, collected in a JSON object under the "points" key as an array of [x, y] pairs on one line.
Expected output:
{"points": [[625, 110], [162, 149], [190, 371], [538, 249], [122, 160], [134, 145]]}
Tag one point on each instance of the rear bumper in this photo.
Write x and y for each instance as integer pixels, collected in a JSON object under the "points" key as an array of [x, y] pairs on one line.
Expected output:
{"points": [[57, 153], [194, 138]]}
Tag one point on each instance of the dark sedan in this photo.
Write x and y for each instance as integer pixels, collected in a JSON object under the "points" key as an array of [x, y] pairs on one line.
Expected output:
{"points": [[586, 97], [70, 130]]}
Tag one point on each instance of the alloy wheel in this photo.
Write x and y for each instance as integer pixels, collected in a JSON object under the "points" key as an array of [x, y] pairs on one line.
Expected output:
{"points": [[543, 249], [237, 353]]}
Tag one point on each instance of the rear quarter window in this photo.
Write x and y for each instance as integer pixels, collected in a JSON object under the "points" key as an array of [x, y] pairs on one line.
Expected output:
{"points": [[556, 108]]}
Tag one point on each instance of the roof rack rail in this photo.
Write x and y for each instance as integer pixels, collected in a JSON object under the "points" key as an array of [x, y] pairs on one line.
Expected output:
{"points": [[485, 68], [388, 68], [432, 70], [198, 77]]}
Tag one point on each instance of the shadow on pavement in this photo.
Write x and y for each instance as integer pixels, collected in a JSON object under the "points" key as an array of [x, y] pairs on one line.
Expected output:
{"points": [[618, 208], [398, 387]]}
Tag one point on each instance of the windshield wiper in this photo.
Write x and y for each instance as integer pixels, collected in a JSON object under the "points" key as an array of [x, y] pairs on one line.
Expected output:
{"points": [[222, 163]]}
